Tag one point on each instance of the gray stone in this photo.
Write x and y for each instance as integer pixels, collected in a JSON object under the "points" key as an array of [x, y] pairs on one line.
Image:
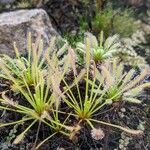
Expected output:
{"points": [[7, 1], [147, 4], [15, 25]]}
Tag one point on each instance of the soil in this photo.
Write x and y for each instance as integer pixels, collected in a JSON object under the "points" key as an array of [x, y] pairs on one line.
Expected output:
{"points": [[133, 116], [125, 114]]}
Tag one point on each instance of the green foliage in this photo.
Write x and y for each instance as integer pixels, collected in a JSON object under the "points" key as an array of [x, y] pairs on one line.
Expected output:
{"points": [[24, 4], [111, 21], [26, 69], [42, 99], [30, 3], [22, 68], [120, 85], [1, 7], [114, 46], [100, 50], [41, 78], [103, 21], [96, 97], [73, 38], [12, 133], [124, 23], [97, 4]]}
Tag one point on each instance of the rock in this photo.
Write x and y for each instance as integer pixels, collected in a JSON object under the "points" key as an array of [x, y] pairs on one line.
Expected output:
{"points": [[135, 3], [7, 1], [65, 13], [15, 25], [147, 4]]}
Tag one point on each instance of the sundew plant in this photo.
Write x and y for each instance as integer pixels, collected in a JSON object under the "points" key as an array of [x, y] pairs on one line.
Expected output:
{"points": [[26, 68], [101, 49], [96, 97], [22, 68], [120, 85], [40, 99], [60, 103]]}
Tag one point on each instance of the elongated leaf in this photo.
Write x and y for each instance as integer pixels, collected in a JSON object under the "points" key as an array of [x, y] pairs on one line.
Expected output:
{"points": [[22, 135], [132, 100], [139, 78]]}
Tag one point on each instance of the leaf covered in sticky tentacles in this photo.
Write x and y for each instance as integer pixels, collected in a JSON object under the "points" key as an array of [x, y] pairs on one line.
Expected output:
{"points": [[121, 85]]}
